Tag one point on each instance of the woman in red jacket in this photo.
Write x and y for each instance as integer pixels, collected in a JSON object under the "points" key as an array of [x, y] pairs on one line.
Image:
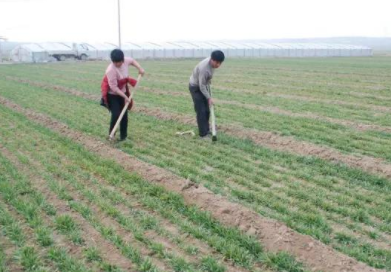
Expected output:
{"points": [[116, 72]]}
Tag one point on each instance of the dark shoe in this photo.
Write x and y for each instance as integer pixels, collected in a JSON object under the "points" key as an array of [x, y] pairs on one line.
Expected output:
{"points": [[123, 139]]}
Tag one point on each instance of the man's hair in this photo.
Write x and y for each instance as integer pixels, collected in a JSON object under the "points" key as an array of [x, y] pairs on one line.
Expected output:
{"points": [[218, 56], [117, 55]]}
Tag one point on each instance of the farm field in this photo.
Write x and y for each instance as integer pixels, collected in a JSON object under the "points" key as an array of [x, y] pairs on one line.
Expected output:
{"points": [[299, 180]]}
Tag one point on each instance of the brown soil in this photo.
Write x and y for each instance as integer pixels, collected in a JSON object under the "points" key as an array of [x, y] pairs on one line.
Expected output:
{"points": [[9, 251]]}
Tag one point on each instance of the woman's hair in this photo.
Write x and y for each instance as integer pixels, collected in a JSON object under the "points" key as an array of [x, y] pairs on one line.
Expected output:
{"points": [[117, 55]]}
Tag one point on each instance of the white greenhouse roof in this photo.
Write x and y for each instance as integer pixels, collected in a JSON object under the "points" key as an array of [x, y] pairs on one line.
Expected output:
{"points": [[100, 46], [131, 46], [32, 47], [167, 45], [203, 45], [53, 46], [186, 45]]}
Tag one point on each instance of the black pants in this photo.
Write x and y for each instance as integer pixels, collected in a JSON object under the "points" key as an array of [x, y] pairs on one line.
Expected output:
{"points": [[116, 104], [201, 107]]}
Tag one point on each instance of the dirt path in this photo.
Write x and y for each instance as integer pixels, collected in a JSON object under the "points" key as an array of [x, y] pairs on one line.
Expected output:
{"points": [[274, 236]]}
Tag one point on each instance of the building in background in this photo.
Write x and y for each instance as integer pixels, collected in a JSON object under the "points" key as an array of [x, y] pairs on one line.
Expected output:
{"points": [[45, 52]]}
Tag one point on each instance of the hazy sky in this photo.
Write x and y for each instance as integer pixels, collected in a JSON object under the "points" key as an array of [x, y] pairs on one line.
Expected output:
{"points": [[166, 20]]}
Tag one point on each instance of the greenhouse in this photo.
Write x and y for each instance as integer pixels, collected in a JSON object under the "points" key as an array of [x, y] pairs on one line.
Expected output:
{"points": [[42, 52]]}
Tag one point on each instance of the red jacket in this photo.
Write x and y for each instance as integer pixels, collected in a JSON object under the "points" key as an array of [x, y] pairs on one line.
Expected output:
{"points": [[105, 89]]}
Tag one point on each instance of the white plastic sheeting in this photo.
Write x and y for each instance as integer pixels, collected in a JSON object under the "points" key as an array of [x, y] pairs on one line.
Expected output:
{"points": [[134, 50], [54, 48], [29, 53], [99, 51], [188, 50], [38, 52]]}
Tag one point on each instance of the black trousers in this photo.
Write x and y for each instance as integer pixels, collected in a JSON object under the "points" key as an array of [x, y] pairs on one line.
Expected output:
{"points": [[201, 107], [116, 104]]}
